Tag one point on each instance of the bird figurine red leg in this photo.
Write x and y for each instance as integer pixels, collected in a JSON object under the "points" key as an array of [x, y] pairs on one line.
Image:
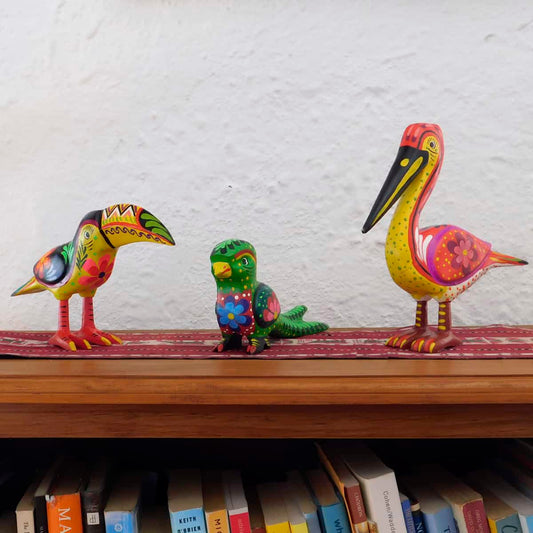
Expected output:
{"points": [[438, 262], [89, 331], [63, 336], [85, 263]]}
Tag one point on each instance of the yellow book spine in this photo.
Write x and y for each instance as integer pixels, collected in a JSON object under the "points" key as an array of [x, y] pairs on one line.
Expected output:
{"points": [[299, 528], [282, 527], [217, 521]]}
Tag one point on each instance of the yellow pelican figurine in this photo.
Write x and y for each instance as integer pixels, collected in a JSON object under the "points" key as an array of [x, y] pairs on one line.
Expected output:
{"points": [[438, 262]]}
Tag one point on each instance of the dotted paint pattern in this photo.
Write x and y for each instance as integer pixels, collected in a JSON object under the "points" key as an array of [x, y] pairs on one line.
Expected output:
{"points": [[455, 255], [265, 298], [244, 330]]}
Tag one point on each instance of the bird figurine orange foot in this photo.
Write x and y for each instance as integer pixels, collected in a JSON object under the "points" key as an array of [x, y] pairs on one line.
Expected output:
{"points": [[438, 262], [85, 263]]}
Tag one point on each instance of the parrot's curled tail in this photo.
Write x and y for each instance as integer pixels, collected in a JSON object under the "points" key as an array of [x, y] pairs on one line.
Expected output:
{"points": [[29, 287], [292, 324]]}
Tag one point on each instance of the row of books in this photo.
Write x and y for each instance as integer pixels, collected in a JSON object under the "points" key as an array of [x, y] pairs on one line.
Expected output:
{"points": [[349, 489]]}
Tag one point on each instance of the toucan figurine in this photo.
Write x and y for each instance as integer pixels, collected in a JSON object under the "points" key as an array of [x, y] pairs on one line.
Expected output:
{"points": [[438, 262], [86, 262], [248, 308]]}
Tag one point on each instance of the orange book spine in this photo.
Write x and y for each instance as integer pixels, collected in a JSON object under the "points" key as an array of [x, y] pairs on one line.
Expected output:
{"points": [[64, 513], [217, 521]]}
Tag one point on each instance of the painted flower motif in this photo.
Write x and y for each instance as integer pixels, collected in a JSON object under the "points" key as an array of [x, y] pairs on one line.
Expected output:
{"points": [[463, 251], [97, 273], [232, 313], [272, 310]]}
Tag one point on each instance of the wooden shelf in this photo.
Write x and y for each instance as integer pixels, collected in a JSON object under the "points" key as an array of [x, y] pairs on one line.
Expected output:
{"points": [[266, 398]]}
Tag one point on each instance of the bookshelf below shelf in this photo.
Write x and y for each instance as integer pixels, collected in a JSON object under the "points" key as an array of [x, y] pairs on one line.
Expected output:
{"points": [[214, 398]]}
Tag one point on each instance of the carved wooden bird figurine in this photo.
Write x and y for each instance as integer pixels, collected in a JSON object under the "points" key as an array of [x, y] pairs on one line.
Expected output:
{"points": [[438, 262], [83, 264], [248, 308]]}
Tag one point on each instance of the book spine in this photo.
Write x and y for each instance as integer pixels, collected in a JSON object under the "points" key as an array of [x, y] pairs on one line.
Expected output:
{"points": [[528, 524], [334, 518], [239, 523], [408, 515], [117, 521], [190, 521], [418, 520], [92, 512], [282, 527], [356, 507], [217, 522], [64, 513], [41, 519], [382, 502], [313, 523], [509, 524], [298, 528], [441, 522], [351, 496], [25, 522], [475, 517]]}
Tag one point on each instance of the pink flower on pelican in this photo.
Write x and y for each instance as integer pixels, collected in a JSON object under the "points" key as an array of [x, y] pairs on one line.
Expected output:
{"points": [[464, 252]]}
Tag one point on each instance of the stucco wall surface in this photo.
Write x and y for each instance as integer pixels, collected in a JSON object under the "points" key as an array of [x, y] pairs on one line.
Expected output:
{"points": [[271, 121]]}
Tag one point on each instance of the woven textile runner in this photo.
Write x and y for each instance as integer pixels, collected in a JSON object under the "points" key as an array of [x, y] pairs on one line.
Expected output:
{"points": [[492, 342]]}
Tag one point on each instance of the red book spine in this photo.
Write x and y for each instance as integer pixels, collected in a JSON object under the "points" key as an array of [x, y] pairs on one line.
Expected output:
{"points": [[355, 503], [240, 523], [475, 517]]}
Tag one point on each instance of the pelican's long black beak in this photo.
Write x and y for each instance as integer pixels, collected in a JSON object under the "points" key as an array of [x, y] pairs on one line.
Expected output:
{"points": [[409, 162]]}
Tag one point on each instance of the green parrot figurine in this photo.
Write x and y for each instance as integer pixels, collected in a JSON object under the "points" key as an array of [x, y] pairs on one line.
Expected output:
{"points": [[85, 263], [248, 308]]}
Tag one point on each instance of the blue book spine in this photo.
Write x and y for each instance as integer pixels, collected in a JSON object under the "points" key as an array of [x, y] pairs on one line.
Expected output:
{"points": [[120, 522], [189, 521], [313, 524], [441, 522], [417, 518], [407, 513], [509, 524], [334, 518]]}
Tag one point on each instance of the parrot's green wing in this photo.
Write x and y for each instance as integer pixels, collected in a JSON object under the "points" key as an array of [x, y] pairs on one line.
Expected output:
{"points": [[265, 306]]}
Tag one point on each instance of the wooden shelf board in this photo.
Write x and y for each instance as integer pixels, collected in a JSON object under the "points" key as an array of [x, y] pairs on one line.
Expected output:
{"points": [[287, 422], [266, 382], [222, 398]]}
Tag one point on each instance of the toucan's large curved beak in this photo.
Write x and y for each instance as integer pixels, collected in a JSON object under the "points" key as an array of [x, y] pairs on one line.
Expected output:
{"points": [[409, 162], [127, 223]]}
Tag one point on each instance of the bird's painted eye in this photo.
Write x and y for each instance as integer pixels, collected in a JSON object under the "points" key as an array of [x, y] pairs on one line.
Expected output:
{"points": [[86, 234], [245, 261], [432, 144]]}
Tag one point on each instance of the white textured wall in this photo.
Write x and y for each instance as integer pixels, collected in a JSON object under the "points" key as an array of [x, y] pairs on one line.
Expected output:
{"points": [[272, 121]]}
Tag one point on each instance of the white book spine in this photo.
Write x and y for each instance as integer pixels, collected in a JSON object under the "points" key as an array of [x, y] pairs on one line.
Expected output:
{"points": [[523, 523], [25, 522], [382, 502]]}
